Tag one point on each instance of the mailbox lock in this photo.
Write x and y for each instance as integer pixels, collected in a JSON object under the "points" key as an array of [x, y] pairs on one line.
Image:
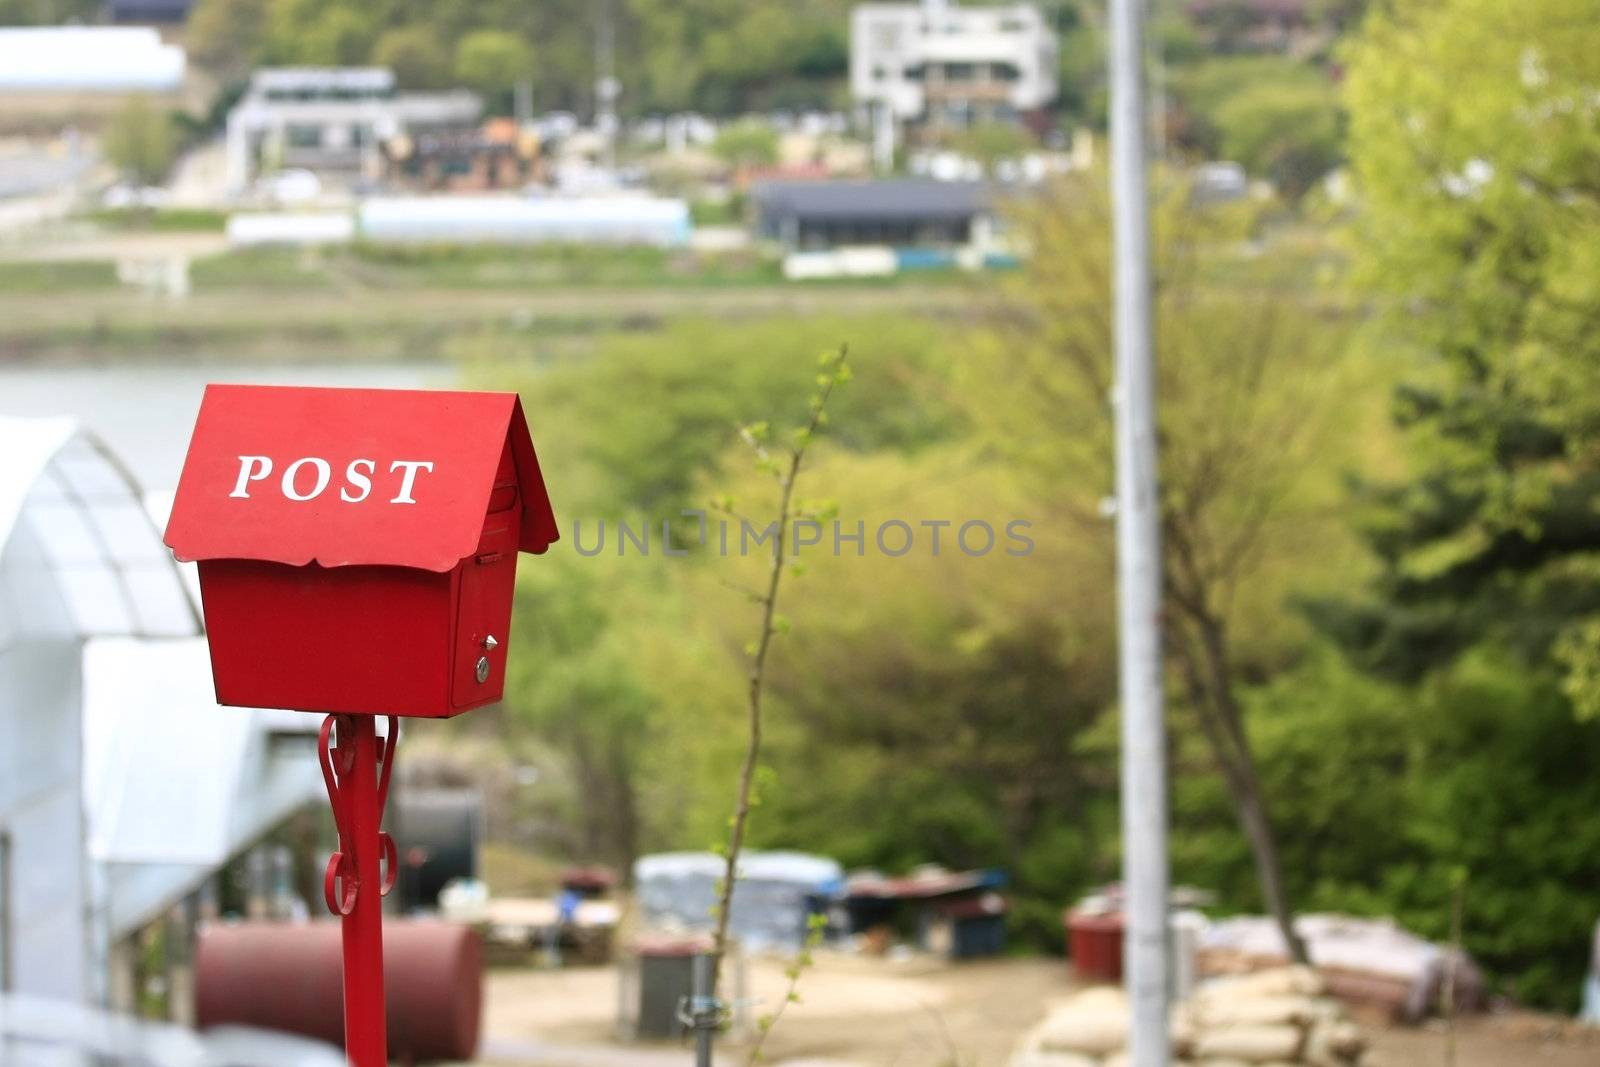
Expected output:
{"points": [[489, 645]]}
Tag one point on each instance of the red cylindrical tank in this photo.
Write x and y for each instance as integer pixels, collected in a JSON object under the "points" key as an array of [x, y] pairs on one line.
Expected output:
{"points": [[1094, 942], [287, 977]]}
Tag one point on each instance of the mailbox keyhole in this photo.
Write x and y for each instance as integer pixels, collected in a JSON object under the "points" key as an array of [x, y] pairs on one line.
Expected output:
{"points": [[482, 672]]}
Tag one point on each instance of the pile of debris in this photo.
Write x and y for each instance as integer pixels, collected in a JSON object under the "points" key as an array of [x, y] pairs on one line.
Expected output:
{"points": [[1373, 963], [1275, 1017]]}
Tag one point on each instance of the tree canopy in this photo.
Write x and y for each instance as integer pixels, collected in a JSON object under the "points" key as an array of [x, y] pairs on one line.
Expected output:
{"points": [[723, 56], [1475, 137]]}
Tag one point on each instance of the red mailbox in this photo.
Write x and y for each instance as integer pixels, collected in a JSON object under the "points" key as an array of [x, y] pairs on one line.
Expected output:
{"points": [[357, 552], [358, 547]]}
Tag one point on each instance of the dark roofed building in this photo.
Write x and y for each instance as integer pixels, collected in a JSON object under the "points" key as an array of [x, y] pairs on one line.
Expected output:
{"points": [[901, 213], [149, 12]]}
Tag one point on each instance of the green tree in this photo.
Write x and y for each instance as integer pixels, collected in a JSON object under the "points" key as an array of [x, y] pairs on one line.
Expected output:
{"points": [[338, 37], [1288, 133], [991, 142], [493, 61], [415, 54], [224, 36], [1250, 439], [1279, 117], [642, 427], [730, 58], [746, 143], [576, 687], [1395, 787], [645, 416], [1475, 142], [140, 142], [46, 12]]}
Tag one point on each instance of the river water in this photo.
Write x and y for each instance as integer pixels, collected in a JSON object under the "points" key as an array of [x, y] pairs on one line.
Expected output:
{"points": [[145, 410]]}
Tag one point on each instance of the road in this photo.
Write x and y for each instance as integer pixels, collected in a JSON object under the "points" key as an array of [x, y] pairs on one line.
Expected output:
{"points": [[28, 170]]}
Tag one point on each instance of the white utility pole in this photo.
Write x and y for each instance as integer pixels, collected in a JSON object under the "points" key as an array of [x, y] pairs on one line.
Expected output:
{"points": [[606, 86], [1144, 746]]}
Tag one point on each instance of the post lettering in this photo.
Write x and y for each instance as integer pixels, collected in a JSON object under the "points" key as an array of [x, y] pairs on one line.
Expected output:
{"points": [[251, 469], [359, 475], [324, 472], [408, 481], [355, 479]]}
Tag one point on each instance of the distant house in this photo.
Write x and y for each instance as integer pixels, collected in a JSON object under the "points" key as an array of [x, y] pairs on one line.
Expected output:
{"points": [[149, 12], [959, 913], [934, 66], [333, 120], [900, 213]]}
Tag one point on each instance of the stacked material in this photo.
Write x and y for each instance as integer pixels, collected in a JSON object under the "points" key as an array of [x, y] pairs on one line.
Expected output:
{"points": [[1372, 962], [1273, 1017]]}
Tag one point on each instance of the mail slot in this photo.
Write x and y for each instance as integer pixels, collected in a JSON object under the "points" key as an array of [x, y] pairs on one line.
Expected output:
{"points": [[358, 547]]}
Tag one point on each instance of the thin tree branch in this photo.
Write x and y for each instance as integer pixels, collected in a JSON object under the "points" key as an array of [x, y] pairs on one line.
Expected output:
{"points": [[758, 662]]}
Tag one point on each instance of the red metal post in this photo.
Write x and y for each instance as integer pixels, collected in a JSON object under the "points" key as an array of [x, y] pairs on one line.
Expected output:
{"points": [[360, 873]]}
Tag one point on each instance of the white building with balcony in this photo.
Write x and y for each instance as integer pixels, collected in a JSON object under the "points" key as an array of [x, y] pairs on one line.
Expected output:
{"points": [[936, 66], [332, 120]]}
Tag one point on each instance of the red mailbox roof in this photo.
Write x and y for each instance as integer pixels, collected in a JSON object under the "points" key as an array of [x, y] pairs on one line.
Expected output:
{"points": [[351, 476]]}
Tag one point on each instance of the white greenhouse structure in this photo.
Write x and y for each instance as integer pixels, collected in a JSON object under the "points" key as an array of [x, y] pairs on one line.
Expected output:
{"points": [[88, 59], [124, 788]]}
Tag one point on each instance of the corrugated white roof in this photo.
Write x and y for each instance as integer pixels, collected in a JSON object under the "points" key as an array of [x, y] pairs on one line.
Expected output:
{"points": [[173, 784], [86, 514]]}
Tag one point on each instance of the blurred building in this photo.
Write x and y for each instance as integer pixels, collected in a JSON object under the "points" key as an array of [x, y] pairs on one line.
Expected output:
{"points": [[87, 59], [496, 155], [774, 897], [934, 66], [152, 12], [961, 914], [662, 222], [333, 121], [124, 788], [898, 213]]}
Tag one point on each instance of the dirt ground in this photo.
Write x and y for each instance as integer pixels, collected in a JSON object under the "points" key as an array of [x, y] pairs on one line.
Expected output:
{"points": [[1514, 1039], [853, 1010], [866, 1012]]}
